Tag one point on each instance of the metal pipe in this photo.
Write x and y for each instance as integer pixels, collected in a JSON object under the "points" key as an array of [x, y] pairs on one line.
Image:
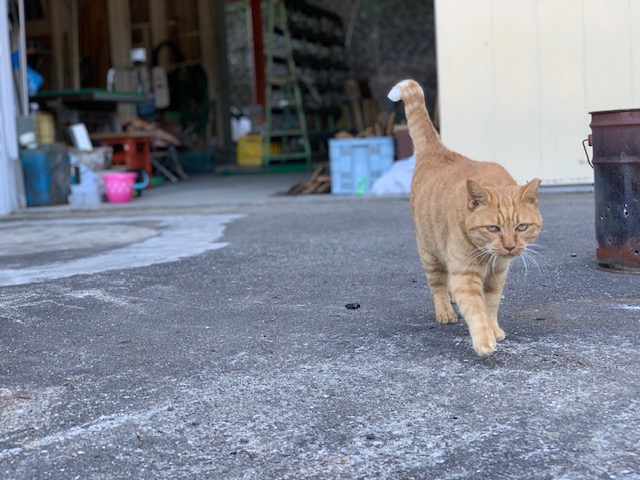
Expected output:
{"points": [[24, 86]]}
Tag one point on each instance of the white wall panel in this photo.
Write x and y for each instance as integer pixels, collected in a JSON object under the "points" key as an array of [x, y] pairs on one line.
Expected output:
{"points": [[607, 53], [564, 119], [465, 83], [521, 96], [516, 81], [634, 26]]}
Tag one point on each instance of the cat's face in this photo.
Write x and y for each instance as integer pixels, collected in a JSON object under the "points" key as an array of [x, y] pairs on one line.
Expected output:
{"points": [[503, 221]]}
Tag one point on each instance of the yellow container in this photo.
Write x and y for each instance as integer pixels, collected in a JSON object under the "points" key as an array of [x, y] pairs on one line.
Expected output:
{"points": [[250, 152], [45, 128]]}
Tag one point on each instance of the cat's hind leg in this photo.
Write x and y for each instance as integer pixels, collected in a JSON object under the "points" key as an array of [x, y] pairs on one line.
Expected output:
{"points": [[438, 280]]}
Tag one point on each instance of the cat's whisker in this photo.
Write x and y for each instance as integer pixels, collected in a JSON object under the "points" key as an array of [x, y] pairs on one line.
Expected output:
{"points": [[486, 255], [471, 262], [476, 258], [493, 263], [488, 264], [532, 258], [526, 255], [531, 250], [524, 262]]}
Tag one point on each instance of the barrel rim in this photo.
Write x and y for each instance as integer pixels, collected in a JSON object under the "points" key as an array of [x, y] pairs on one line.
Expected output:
{"points": [[622, 110]]}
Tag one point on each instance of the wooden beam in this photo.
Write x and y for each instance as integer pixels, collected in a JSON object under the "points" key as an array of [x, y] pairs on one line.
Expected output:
{"points": [[223, 71], [120, 33], [119, 19], [209, 61], [59, 25], [159, 19], [75, 46], [258, 53], [213, 45]]}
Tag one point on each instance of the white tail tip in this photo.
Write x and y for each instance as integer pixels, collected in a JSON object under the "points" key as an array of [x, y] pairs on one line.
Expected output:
{"points": [[397, 92]]}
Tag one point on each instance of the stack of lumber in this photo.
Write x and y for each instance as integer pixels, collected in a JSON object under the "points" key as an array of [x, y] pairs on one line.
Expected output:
{"points": [[320, 182]]}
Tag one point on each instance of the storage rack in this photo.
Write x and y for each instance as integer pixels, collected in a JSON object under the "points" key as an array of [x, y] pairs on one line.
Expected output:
{"points": [[306, 70]]}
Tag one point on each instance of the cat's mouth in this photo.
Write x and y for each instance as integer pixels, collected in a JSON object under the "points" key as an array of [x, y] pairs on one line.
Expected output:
{"points": [[513, 253], [505, 252]]}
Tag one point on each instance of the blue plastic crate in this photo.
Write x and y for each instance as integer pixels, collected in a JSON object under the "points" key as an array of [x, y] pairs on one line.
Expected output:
{"points": [[356, 163]]}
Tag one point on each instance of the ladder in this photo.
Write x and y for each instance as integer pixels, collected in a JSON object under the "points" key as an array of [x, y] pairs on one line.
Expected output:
{"points": [[286, 138]]}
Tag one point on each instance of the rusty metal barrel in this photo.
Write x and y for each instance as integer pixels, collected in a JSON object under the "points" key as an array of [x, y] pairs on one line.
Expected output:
{"points": [[615, 137]]}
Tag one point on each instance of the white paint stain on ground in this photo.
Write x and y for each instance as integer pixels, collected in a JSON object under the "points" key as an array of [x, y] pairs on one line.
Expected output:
{"points": [[628, 307], [101, 296], [161, 239], [103, 423], [42, 238]]}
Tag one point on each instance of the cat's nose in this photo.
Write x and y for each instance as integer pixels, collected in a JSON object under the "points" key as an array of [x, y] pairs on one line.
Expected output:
{"points": [[509, 247]]}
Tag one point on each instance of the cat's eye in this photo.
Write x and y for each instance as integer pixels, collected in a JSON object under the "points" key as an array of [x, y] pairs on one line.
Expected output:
{"points": [[493, 228], [522, 227]]}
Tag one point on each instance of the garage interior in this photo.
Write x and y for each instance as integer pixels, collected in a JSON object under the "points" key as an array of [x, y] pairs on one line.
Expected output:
{"points": [[254, 87]]}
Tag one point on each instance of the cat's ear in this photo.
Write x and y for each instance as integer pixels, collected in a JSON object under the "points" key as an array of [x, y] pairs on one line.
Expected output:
{"points": [[530, 191], [478, 195]]}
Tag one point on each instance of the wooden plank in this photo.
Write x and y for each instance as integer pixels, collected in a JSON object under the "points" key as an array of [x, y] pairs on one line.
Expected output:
{"points": [[259, 68], [59, 23], [159, 20], [75, 46], [120, 43]]}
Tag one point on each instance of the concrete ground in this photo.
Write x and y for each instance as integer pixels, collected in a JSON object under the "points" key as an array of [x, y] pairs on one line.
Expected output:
{"points": [[209, 339]]}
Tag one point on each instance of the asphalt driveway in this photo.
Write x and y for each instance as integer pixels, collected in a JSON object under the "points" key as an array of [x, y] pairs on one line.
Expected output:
{"points": [[229, 353]]}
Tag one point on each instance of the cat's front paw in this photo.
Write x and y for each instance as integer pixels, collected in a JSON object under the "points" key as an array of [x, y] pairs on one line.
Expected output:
{"points": [[485, 346], [447, 316], [499, 333]]}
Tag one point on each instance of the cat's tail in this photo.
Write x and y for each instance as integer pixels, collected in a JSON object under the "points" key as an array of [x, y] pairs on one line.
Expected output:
{"points": [[423, 133]]}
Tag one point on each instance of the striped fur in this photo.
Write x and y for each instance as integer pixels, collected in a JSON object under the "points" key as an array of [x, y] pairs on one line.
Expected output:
{"points": [[471, 220]]}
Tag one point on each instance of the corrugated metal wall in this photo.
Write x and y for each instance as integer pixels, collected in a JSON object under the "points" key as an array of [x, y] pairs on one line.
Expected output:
{"points": [[518, 78]]}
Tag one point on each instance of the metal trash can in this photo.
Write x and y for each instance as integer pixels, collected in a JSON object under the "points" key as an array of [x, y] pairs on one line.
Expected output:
{"points": [[616, 165]]}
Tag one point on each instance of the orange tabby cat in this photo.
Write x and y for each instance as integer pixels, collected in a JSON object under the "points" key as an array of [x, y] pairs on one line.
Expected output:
{"points": [[471, 220]]}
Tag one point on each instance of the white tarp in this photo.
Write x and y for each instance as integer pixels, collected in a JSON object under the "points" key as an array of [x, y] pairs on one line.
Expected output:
{"points": [[396, 180]]}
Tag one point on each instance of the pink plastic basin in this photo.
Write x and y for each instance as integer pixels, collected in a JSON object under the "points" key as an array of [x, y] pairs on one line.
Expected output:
{"points": [[119, 186]]}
